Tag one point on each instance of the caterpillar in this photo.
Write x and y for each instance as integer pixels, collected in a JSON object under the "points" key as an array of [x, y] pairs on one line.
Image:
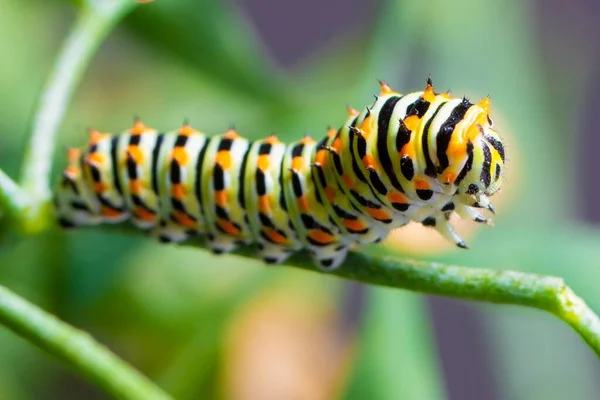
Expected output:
{"points": [[416, 157]]}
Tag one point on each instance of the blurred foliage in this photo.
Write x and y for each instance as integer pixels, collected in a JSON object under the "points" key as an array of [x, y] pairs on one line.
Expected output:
{"points": [[168, 310]]}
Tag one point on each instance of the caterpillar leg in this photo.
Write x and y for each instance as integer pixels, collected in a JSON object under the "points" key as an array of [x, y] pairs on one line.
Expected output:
{"points": [[168, 231], [440, 223], [329, 259], [273, 254]]}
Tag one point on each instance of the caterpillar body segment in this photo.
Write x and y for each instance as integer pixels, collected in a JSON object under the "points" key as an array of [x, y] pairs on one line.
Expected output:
{"points": [[416, 157]]}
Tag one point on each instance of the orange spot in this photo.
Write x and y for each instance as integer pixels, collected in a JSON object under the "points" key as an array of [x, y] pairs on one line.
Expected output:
{"points": [[485, 104], [397, 197], [263, 162], [231, 134], [352, 112], [135, 186], [378, 213], [303, 204], [71, 173], [186, 130], [348, 181], [449, 177], [109, 212], [138, 128], [354, 224], [136, 153], [429, 94], [73, 155], [421, 184], [385, 89], [221, 198], [307, 140], [272, 140], [297, 164], [224, 159], [96, 159], [337, 144], [178, 191], [264, 204], [274, 235], [180, 155], [330, 193], [143, 214], [321, 157], [96, 136], [99, 187], [408, 150], [331, 132], [446, 95], [412, 122], [321, 236], [457, 149], [368, 161], [366, 127], [184, 219], [228, 227]]}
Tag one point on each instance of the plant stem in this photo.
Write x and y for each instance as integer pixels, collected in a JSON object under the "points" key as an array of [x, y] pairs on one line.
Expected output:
{"points": [[13, 200], [544, 292], [75, 347], [505, 287], [94, 21]]}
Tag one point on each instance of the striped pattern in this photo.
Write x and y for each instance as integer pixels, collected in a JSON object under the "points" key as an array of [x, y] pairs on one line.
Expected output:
{"points": [[419, 157]]}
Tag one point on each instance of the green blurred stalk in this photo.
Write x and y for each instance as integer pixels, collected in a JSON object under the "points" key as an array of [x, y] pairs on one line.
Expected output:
{"points": [[30, 203], [95, 20], [76, 348]]}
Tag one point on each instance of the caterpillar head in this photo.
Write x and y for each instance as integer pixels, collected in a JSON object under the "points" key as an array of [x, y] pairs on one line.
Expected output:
{"points": [[476, 154]]}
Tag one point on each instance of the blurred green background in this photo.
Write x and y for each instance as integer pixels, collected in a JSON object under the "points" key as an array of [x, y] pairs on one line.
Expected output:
{"points": [[227, 327]]}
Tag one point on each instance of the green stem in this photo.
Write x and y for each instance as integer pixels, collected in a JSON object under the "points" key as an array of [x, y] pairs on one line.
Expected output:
{"points": [[495, 286], [13, 200], [544, 292], [75, 347], [94, 21]]}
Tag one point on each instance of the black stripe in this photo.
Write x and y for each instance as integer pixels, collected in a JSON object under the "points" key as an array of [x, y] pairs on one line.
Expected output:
{"points": [[429, 167], [445, 133], [242, 178], [175, 172], [114, 142], [264, 149], [316, 188], [402, 136], [198, 182], [131, 167], [498, 172], [296, 184], [297, 150], [155, 153], [218, 177], [355, 157], [181, 140], [418, 108], [383, 123], [463, 172], [261, 186], [497, 145], [407, 168], [485, 176], [134, 140], [225, 144], [282, 201]]}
